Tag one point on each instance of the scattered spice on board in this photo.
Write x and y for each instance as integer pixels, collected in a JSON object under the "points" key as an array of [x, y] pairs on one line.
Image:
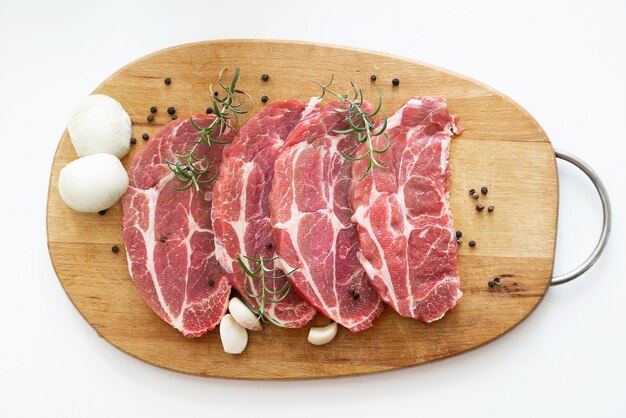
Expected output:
{"points": [[480, 207], [484, 190], [133, 141], [171, 110], [145, 136], [265, 77], [153, 109], [395, 81], [264, 99], [167, 81], [495, 282], [373, 77], [115, 249], [472, 243], [150, 118], [490, 209], [102, 212]]}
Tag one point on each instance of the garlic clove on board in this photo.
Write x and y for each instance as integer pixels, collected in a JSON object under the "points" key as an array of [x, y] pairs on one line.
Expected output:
{"points": [[322, 335], [93, 183], [98, 124], [243, 315], [234, 337]]}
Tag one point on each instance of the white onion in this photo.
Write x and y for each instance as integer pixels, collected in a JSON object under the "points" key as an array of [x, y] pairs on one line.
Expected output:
{"points": [[234, 337], [100, 124], [93, 183]]}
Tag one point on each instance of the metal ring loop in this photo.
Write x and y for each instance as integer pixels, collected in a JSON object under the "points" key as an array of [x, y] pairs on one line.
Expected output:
{"points": [[606, 225]]}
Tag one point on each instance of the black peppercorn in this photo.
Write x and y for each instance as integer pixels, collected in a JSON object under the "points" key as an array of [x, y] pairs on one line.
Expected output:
{"points": [[269, 245], [216, 93], [102, 212], [475, 196], [174, 117], [373, 77], [484, 190], [459, 240], [133, 141], [153, 109], [211, 282], [395, 81], [171, 110], [115, 249], [495, 282], [264, 99], [150, 118], [167, 81], [480, 207], [490, 209], [145, 136], [472, 192], [163, 238], [209, 110], [472, 243], [459, 234], [354, 293], [265, 77]]}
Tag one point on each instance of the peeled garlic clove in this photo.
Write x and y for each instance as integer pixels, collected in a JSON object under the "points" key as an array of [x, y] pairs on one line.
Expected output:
{"points": [[322, 335], [243, 315], [93, 183], [100, 124], [234, 337]]}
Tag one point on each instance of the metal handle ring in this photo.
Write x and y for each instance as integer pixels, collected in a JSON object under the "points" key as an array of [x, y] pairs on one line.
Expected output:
{"points": [[606, 225]]}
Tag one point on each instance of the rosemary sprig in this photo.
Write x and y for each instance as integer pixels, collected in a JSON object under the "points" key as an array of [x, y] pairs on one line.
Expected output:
{"points": [[190, 168], [265, 295], [360, 122]]}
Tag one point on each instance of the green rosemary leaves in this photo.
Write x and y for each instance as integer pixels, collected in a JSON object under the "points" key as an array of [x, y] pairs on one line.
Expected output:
{"points": [[361, 123], [191, 169], [262, 273]]}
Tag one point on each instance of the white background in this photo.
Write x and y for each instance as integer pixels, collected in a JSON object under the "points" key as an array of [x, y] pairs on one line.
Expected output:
{"points": [[564, 61]]}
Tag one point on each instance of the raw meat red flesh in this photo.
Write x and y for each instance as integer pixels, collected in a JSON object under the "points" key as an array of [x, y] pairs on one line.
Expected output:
{"points": [[241, 215], [406, 240], [168, 233], [311, 219]]}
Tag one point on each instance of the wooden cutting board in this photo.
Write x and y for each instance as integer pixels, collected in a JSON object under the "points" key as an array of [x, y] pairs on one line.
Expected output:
{"points": [[502, 147]]}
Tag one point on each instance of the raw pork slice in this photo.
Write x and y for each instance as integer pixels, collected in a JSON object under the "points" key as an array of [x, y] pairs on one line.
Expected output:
{"points": [[311, 218], [406, 240], [241, 215], [168, 233]]}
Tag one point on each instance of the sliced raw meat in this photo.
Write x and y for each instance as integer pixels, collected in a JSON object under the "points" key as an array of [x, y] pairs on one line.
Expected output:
{"points": [[241, 215], [406, 240], [168, 233], [311, 218]]}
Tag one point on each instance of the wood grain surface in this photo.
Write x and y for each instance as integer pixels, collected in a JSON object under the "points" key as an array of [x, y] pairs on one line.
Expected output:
{"points": [[502, 147]]}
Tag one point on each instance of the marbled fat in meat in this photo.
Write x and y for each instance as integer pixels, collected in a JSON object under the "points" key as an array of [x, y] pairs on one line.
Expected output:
{"points": [[241, 215], [407, 241], [168, 233], [311, 219]]}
